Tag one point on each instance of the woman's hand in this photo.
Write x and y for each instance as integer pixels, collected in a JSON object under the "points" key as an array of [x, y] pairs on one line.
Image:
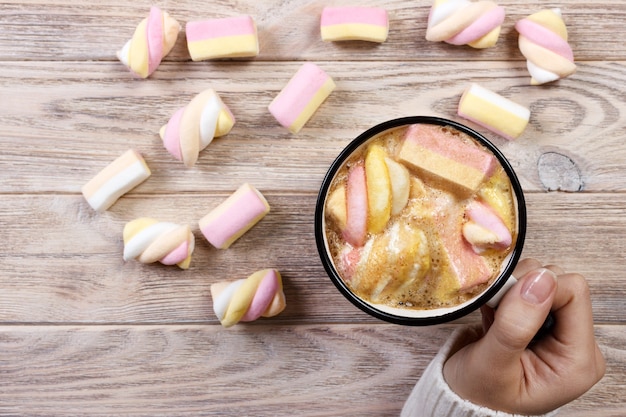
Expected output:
{"points": [[504, 371]]}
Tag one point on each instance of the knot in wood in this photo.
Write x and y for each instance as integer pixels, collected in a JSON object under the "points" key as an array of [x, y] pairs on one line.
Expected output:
{"points": [[558, 172]]}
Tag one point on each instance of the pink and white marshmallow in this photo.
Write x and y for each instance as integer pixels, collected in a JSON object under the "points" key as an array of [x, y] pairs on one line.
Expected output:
{"points": [[227, 222], [244, 300], [148, 240], [301, 97], [543, 42], [193, 127], [153, 39], [485, 229], [463, 22]]}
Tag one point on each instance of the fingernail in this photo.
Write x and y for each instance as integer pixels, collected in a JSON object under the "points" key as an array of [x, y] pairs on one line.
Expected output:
{"points": [[538, 288]]}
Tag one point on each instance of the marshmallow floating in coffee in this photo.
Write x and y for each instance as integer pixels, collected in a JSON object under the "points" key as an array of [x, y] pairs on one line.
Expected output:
{"points": [[485, 229], [443, 156]]}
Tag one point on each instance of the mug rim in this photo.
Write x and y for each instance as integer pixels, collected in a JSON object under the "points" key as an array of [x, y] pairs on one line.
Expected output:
{"points": [[467, 307]]}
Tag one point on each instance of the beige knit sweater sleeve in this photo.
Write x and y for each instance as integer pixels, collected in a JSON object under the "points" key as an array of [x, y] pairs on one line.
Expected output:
{"points": [[432, 397]]}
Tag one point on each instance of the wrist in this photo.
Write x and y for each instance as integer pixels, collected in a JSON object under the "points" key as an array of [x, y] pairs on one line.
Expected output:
{"points": [[433, 397]]}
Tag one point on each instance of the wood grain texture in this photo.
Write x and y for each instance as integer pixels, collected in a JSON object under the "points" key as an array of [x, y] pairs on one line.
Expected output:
{"points": [[62, 30], [84, 333], [74, 118], [256, 369], [71, 270]]}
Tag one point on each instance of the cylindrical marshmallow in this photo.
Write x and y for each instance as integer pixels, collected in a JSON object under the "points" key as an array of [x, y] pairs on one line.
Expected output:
{"points": [[543, 42], [463, 165], [193, 127], [301, 97], [231, 37], [234, 217], [462, 22], [259, 295], [354, 23], [148, 240], [115, 180], [494, 112], [153, 39]]}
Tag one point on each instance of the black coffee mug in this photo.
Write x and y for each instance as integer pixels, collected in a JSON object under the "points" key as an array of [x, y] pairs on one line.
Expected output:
{"points": [[421, 317]]}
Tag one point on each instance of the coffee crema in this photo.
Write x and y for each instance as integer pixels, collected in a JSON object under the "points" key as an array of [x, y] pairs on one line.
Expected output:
{"points": [[420, 217]]}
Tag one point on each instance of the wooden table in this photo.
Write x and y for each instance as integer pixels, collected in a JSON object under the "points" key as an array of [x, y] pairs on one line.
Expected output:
{"points": [[84, 333]]}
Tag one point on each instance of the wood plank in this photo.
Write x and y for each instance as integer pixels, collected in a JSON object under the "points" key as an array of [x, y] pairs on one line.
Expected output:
{"points": [[84, 333], [61, 124], [319, 370], [70, 31], [62, 262]]}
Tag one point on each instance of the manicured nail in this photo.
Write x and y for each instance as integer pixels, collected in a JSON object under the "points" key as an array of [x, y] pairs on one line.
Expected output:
{"points": [[537, 289]]}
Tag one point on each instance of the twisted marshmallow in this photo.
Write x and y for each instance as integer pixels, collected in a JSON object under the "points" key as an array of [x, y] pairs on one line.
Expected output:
{"points": [[543, 41], [149, 240], [194, 126], [153, 39], [462, 22], [259, 295]]}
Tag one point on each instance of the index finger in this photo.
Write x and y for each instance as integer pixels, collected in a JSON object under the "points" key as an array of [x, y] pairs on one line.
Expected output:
{"points": [[525, 266], [572, 311]]}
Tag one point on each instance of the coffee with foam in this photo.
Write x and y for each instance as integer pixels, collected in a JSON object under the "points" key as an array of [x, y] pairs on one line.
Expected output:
{"points": [[436, 224]]}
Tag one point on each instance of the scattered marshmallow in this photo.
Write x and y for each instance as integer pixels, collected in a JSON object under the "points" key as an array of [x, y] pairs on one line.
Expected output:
{"points": [[115, 180], [462, 22], [148, 240], [543, 41], [244, 300], [493, 111], [354, 23], [153, 39], [231, 37], [193, 127], [301, 97], [235, 216]]}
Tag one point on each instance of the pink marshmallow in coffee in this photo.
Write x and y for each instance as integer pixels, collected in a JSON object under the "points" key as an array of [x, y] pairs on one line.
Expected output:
{"points": [[445, 158], [235, 216], [355, 232], [485, 229], [470, 268]]}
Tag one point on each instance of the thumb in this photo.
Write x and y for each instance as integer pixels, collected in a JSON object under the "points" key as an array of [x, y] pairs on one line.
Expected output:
{"points": [[520, 315]]}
